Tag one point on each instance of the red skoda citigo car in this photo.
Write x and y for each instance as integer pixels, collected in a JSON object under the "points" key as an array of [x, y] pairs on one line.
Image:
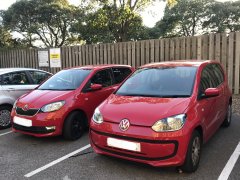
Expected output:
{"points": [[163, 113], [65, 103]]}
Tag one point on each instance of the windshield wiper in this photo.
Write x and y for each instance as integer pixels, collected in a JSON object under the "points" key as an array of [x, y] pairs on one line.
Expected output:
{"points": [[58, 89], [174, 96], [44, 89], [140, 95], [152, 95]]}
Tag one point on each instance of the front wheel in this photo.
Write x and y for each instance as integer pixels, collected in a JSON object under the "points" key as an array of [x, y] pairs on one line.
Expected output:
{"points": [[228, 118], [74, 126], [5, 117], [193, 153]]}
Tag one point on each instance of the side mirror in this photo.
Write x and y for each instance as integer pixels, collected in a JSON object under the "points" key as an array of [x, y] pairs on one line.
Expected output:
{"points": [[95, 87], [211, 92]]}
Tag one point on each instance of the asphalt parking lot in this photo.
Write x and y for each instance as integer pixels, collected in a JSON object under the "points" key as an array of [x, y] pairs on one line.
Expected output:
{"points": [[26, 157]]}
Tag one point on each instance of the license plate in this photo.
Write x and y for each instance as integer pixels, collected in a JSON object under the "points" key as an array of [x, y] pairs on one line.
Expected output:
{"points": [[22, 121], [122, 144]]}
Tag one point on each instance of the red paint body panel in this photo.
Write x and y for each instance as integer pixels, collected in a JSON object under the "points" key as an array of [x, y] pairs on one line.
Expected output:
{"points": [[74, 100], [159, 148]]}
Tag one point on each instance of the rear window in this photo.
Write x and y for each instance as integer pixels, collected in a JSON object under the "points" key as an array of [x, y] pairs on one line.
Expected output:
{"points": [[160, 82], [120, 74]]}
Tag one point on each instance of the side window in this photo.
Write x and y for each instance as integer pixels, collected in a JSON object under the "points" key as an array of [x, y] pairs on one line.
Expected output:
{"points": [[206, 80], [15, 78], [102, 77], [218, 73], [120, 74], [38, 77]]}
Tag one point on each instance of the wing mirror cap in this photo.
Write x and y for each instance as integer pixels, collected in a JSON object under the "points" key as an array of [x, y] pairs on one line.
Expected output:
{"points": [[212, 92], [95, 87]]}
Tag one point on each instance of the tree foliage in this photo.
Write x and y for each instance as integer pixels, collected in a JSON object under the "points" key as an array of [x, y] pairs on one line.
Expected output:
{"points": [[44, 20], [110, 23], [113, 21], [193, 17], [54, 23], [184, 19], [223, 17]]}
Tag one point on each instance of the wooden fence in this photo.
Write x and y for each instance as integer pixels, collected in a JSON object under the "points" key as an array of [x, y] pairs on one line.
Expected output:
{"points": [[222, 47]]}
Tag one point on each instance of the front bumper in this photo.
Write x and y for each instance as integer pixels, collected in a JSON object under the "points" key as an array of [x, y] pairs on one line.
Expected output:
{"points": [[40, 122], [33, 129], [166, 150]]}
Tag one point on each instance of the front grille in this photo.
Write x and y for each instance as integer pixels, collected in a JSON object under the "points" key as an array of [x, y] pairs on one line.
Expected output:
{"points": [[33, 129], [29, 112], [137, 155]]}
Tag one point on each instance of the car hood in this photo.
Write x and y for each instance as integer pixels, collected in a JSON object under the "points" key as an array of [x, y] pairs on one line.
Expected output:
{"points": [[142, 111], [39, 98]]}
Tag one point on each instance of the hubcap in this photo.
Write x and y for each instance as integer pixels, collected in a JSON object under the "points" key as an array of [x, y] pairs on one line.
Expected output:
{"points": [[196, 151], [4, 118], [76, 127]]}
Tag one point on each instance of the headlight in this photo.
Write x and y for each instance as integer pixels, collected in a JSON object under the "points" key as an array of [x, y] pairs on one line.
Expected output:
{"points": [[173, 123], [97, 116], [53, 106]]}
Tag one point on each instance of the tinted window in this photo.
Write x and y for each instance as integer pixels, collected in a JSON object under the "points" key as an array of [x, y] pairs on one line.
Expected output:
{"points": [[15, 78], [208, 80], [102, 77], [120, 74], [38, 76], [65, 80], [160, 82], [217, 70]]}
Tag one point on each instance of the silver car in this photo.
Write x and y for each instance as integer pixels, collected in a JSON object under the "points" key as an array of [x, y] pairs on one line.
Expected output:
{"points": [[15, 82]]}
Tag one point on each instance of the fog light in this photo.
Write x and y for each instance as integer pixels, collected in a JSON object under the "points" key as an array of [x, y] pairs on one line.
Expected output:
{"points": [[51, 127]]}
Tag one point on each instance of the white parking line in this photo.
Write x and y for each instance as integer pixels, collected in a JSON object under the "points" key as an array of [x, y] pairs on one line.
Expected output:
{"points": [[56, 161], [230, 164], [5, 133]]}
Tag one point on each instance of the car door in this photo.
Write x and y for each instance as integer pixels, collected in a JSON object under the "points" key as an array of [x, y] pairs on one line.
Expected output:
{"points": [[207, 105], [221, 100], [94, 98], [37, 77], [15, 84]]}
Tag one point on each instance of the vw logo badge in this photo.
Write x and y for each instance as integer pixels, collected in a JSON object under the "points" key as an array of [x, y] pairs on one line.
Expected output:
{"points": [[25, 108], [124, 124]]}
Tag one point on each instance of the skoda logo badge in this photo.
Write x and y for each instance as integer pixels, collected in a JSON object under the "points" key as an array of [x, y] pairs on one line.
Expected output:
{"points": [[25, 108], [124, 124]]}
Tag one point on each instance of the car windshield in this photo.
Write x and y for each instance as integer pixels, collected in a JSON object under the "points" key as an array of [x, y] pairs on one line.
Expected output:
{"points": [[160, 82], [65, 80]]}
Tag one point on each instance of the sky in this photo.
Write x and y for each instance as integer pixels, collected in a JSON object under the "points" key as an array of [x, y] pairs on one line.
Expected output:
{"points": [[150, 16]]}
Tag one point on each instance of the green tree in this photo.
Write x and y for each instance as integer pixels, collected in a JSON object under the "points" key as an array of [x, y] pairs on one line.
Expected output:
{"points": [[45, 20], [20, 18], [183, 19], [110, 24], [5, 38], [114, 21], [223, 17]]}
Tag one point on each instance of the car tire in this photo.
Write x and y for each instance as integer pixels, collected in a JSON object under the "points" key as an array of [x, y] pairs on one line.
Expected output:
{"points": [[193, 153], [5, 116], [228, 119], [73, 126]]}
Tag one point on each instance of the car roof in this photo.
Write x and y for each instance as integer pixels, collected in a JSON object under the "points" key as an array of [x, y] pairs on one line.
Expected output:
{"points": [[101, 66], [8, 70], [191, 63]]}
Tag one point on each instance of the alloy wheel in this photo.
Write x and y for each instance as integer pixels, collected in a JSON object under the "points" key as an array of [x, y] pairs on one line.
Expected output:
{"points": [[196, 150], [5, 116]]}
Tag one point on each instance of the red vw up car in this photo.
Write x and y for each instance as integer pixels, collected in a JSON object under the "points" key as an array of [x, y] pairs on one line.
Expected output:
{"points": [[163, 113], [65, 103]]}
